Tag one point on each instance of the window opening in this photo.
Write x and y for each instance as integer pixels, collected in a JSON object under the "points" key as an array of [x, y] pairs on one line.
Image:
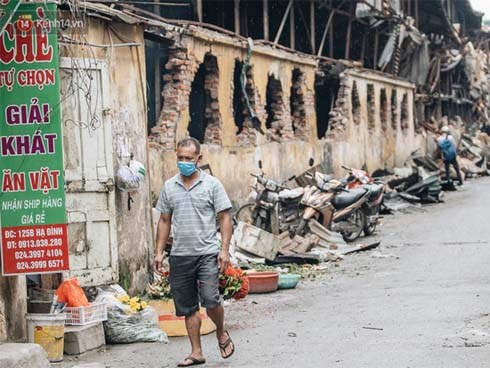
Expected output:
{"points": [[355, 104], [383, 109], [371, 106], [394, 109], [297, 104], [205, 118]]}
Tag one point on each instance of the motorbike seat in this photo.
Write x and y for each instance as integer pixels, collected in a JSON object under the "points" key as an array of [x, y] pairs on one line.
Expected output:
{"points": [[374, 190], [291, 193], [343, 200]]}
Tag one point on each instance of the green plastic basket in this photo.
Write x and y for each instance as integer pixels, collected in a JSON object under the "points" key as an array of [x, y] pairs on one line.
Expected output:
{"points": [[288, 281]]}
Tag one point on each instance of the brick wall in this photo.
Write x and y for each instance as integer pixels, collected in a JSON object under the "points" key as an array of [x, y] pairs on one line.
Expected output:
{"points": [[179, 74], [279, 122], [339, 114], [300, 101], [248, 135], [212, 115]]}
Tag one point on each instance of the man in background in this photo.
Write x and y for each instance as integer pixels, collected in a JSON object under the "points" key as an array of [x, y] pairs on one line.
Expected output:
{"points": [[448, 148]]}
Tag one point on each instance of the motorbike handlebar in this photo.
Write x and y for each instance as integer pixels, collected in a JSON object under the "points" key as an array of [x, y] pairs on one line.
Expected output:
{"points": [[292, 178], [346, 168]]}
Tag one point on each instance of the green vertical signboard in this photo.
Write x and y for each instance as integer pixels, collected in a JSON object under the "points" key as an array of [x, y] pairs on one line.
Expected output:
{"points": [[32, 199]]}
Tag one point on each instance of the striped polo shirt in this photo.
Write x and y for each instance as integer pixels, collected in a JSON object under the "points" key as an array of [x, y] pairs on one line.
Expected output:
{"points": [[194, 212]]}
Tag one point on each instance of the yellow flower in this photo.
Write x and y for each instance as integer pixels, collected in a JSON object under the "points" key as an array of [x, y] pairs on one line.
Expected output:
{"points": [[134, 299], [144, 305], [124, 299]]}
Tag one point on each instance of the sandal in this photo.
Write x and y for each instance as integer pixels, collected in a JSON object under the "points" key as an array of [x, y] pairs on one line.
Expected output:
{"points": [[193, 360], [224, 346]]}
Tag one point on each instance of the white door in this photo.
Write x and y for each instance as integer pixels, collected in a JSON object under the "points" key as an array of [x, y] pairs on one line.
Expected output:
{"points": [[89, 177]]}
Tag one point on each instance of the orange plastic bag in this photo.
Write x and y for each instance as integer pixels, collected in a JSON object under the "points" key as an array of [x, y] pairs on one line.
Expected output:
{"points": [[72, 294]]}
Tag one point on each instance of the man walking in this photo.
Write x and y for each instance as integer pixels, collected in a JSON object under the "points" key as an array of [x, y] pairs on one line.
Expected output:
{"points": [[447, 146], [189, 203]]}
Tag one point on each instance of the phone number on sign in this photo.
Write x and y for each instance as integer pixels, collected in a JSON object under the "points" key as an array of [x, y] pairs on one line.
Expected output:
{"points": [[38, 253], [34, 265], [56, 242]]}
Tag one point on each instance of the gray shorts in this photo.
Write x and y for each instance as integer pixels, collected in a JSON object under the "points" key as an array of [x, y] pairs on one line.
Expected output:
{"points": [[194, 279]]}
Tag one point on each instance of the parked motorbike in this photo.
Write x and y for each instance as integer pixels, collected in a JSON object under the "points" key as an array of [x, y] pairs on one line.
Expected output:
{"points": [[276, 208], [335, 207], [361, 179]]}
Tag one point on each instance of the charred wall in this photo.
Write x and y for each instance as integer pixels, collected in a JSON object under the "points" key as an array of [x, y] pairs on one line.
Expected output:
{"points": [[279, 128], [366, 128]]}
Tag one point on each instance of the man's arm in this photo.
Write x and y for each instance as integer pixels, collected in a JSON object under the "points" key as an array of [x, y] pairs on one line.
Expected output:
{"points": [[226, 227], [163, 232]]}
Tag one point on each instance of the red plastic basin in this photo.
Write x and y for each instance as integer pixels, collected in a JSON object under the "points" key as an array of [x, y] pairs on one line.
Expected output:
{"points": [[263, 282]]}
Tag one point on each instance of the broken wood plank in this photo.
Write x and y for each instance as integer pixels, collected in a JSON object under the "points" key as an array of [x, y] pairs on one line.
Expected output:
{"points": [[256, 241], [373, 328], [297, 259], [363, 247], [323, 233]]}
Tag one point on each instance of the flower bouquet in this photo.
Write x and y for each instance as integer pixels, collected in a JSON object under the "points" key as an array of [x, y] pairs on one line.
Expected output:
{"points": [[160, 289], [135, 303], [233, 283]]}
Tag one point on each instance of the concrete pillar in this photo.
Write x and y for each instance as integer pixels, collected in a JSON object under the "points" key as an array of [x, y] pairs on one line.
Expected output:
{"points": [[13, 307]]}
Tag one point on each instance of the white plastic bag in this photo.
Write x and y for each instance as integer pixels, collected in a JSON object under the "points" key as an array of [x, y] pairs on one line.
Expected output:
{"points": [[138, 169], [130, 178], [124, 326]]}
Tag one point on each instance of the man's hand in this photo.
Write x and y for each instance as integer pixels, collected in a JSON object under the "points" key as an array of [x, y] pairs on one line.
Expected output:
{"points": [[157, 264], [223, 260]]}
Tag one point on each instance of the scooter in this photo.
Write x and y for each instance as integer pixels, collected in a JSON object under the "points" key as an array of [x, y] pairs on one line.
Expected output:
{"points": [[361, 179], [335, 207], [276, 208]]}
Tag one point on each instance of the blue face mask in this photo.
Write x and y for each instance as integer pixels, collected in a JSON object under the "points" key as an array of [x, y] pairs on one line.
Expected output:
{"points": [[186, 168]]}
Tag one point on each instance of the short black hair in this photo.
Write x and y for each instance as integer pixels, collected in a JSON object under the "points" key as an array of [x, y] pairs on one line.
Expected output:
{"points": [[186, 142]]}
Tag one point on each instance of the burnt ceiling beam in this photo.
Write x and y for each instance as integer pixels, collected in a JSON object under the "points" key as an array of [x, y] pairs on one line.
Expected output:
{"points": [[324, 37], [283, 22], [265, 11], [236, 13], [312, 26], [292, 29]]}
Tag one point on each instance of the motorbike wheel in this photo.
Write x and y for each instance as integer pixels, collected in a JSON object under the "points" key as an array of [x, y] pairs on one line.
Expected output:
{"points": [[370, 229], [359, 218], [245, 213]]}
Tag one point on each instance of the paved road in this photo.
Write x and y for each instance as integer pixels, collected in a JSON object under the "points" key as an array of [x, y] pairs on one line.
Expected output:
{"points": [[420, 300]]}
